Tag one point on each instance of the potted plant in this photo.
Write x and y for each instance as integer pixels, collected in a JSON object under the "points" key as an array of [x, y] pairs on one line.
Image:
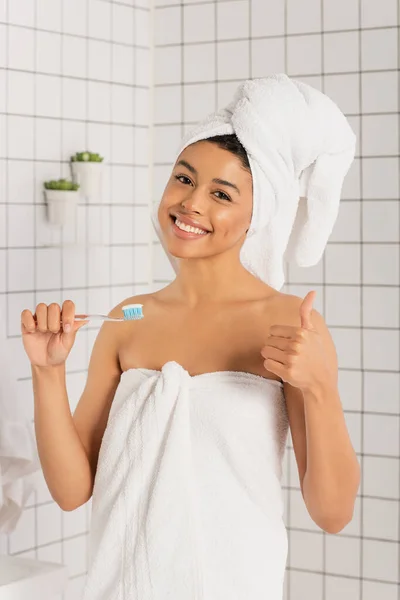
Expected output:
{"points": [[62, 198], [87, 168]]}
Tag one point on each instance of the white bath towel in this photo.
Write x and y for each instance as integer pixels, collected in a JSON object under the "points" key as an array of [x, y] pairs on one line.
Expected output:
{"points": [[187, 501], [300, 147]]}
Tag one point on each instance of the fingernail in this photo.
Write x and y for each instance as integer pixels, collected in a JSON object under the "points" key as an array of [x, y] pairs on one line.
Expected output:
{"points": [[67, 327]]}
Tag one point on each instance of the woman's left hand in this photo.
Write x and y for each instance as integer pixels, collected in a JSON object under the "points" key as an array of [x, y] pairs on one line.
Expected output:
{"points": [[297, 354]]}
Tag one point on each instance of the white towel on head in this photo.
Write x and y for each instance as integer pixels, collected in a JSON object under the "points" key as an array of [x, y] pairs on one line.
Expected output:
{"points": [[300, 147]]}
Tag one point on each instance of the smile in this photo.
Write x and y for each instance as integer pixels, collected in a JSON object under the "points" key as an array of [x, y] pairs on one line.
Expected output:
{"points": [[186, 231]]}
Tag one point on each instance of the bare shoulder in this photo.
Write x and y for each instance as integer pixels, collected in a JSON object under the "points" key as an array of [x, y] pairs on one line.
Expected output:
{"points": [[148, 301], [124, 334], [282, 309], [113, 335], [287, 311]]}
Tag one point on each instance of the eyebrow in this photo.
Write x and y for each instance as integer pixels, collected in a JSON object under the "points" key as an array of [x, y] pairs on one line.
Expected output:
{"points": [[190, 168]]}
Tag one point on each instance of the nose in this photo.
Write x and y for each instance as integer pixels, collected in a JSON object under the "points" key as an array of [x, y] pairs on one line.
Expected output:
{"points": [[193, 200]]}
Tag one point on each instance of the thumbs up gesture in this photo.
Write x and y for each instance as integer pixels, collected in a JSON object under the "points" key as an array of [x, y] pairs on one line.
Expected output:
{"points": [[298, 354]]}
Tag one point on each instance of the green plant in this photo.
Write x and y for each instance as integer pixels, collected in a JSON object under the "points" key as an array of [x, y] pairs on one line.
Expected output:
{"points": [[86, 157], [61, 184]]}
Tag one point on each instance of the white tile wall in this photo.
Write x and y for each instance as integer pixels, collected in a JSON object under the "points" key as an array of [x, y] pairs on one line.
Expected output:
{"points": [[312, 582], [340, 15], [48, 15], [303, 55], [342, 555], [379, 92], [198, 63], [267, 18], [341, 52], [384, 591], [197, 100], [303, 17], [383, 15], [341, 587], [198, 23], [232, 19], [349, 50], [69, 81]]}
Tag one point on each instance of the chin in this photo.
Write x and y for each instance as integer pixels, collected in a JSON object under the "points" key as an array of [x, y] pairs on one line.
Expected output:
{"points": [[178, 251]]}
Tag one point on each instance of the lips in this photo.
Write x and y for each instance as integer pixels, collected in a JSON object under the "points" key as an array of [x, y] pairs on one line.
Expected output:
{"points": [[188, 221], [186, 235]]}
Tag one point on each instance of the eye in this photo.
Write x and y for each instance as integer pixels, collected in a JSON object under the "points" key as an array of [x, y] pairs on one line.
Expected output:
{"points": [[225, 196], [180, 177]]}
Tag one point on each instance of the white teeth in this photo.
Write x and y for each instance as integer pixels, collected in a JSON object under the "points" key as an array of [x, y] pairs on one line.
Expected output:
{"points": [[189, 228]]}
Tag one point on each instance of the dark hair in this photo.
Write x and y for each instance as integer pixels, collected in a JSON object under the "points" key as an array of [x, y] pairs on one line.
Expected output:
{"points": [[232, 143]]}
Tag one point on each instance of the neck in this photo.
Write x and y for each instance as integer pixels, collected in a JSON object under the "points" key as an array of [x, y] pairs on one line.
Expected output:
{"points": [[211, 281]]}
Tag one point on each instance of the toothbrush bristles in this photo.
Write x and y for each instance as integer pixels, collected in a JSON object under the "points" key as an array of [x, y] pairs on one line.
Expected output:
{"points": [[132, 312]]}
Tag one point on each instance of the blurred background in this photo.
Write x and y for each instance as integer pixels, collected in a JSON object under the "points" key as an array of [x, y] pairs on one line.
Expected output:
{"points": [[126, 79]]}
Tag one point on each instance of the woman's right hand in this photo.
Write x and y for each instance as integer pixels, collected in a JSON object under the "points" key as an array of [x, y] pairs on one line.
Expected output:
{"points": [[49, 334]]}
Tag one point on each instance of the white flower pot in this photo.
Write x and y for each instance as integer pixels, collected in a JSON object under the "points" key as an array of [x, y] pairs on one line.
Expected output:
{"points": [[61, 206], [88, 175]]}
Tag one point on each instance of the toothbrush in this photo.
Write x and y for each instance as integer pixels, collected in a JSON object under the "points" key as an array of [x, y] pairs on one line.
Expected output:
{"points": [[131, 313]]}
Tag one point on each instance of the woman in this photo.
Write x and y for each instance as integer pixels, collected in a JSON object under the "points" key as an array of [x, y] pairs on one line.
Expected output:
{"points": [[191, 406]]}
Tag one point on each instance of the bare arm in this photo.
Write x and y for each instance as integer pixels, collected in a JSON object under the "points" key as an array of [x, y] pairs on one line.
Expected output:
{"points": [[329, 471], [62, 456], [91, 414], [68, 445], [302, 353]]}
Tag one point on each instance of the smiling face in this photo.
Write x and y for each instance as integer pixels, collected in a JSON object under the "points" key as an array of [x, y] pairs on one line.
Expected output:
{"points": [[210, 189]]}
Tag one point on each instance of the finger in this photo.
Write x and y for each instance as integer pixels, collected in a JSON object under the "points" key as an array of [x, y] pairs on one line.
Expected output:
{"points": [[284, 331], [78, 325], [275, 354], [275, 367], [288, 345], [53, 317], [306, 310], [28, 324], [41, 317], [68, 316]]}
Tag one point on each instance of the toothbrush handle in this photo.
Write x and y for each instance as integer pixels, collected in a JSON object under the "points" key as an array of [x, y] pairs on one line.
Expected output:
{"points": [[97, 317]]}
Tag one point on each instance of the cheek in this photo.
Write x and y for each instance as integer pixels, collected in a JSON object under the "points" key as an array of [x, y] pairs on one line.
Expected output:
{"points": [[170, 196], [167, 200], [232, 225]]}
